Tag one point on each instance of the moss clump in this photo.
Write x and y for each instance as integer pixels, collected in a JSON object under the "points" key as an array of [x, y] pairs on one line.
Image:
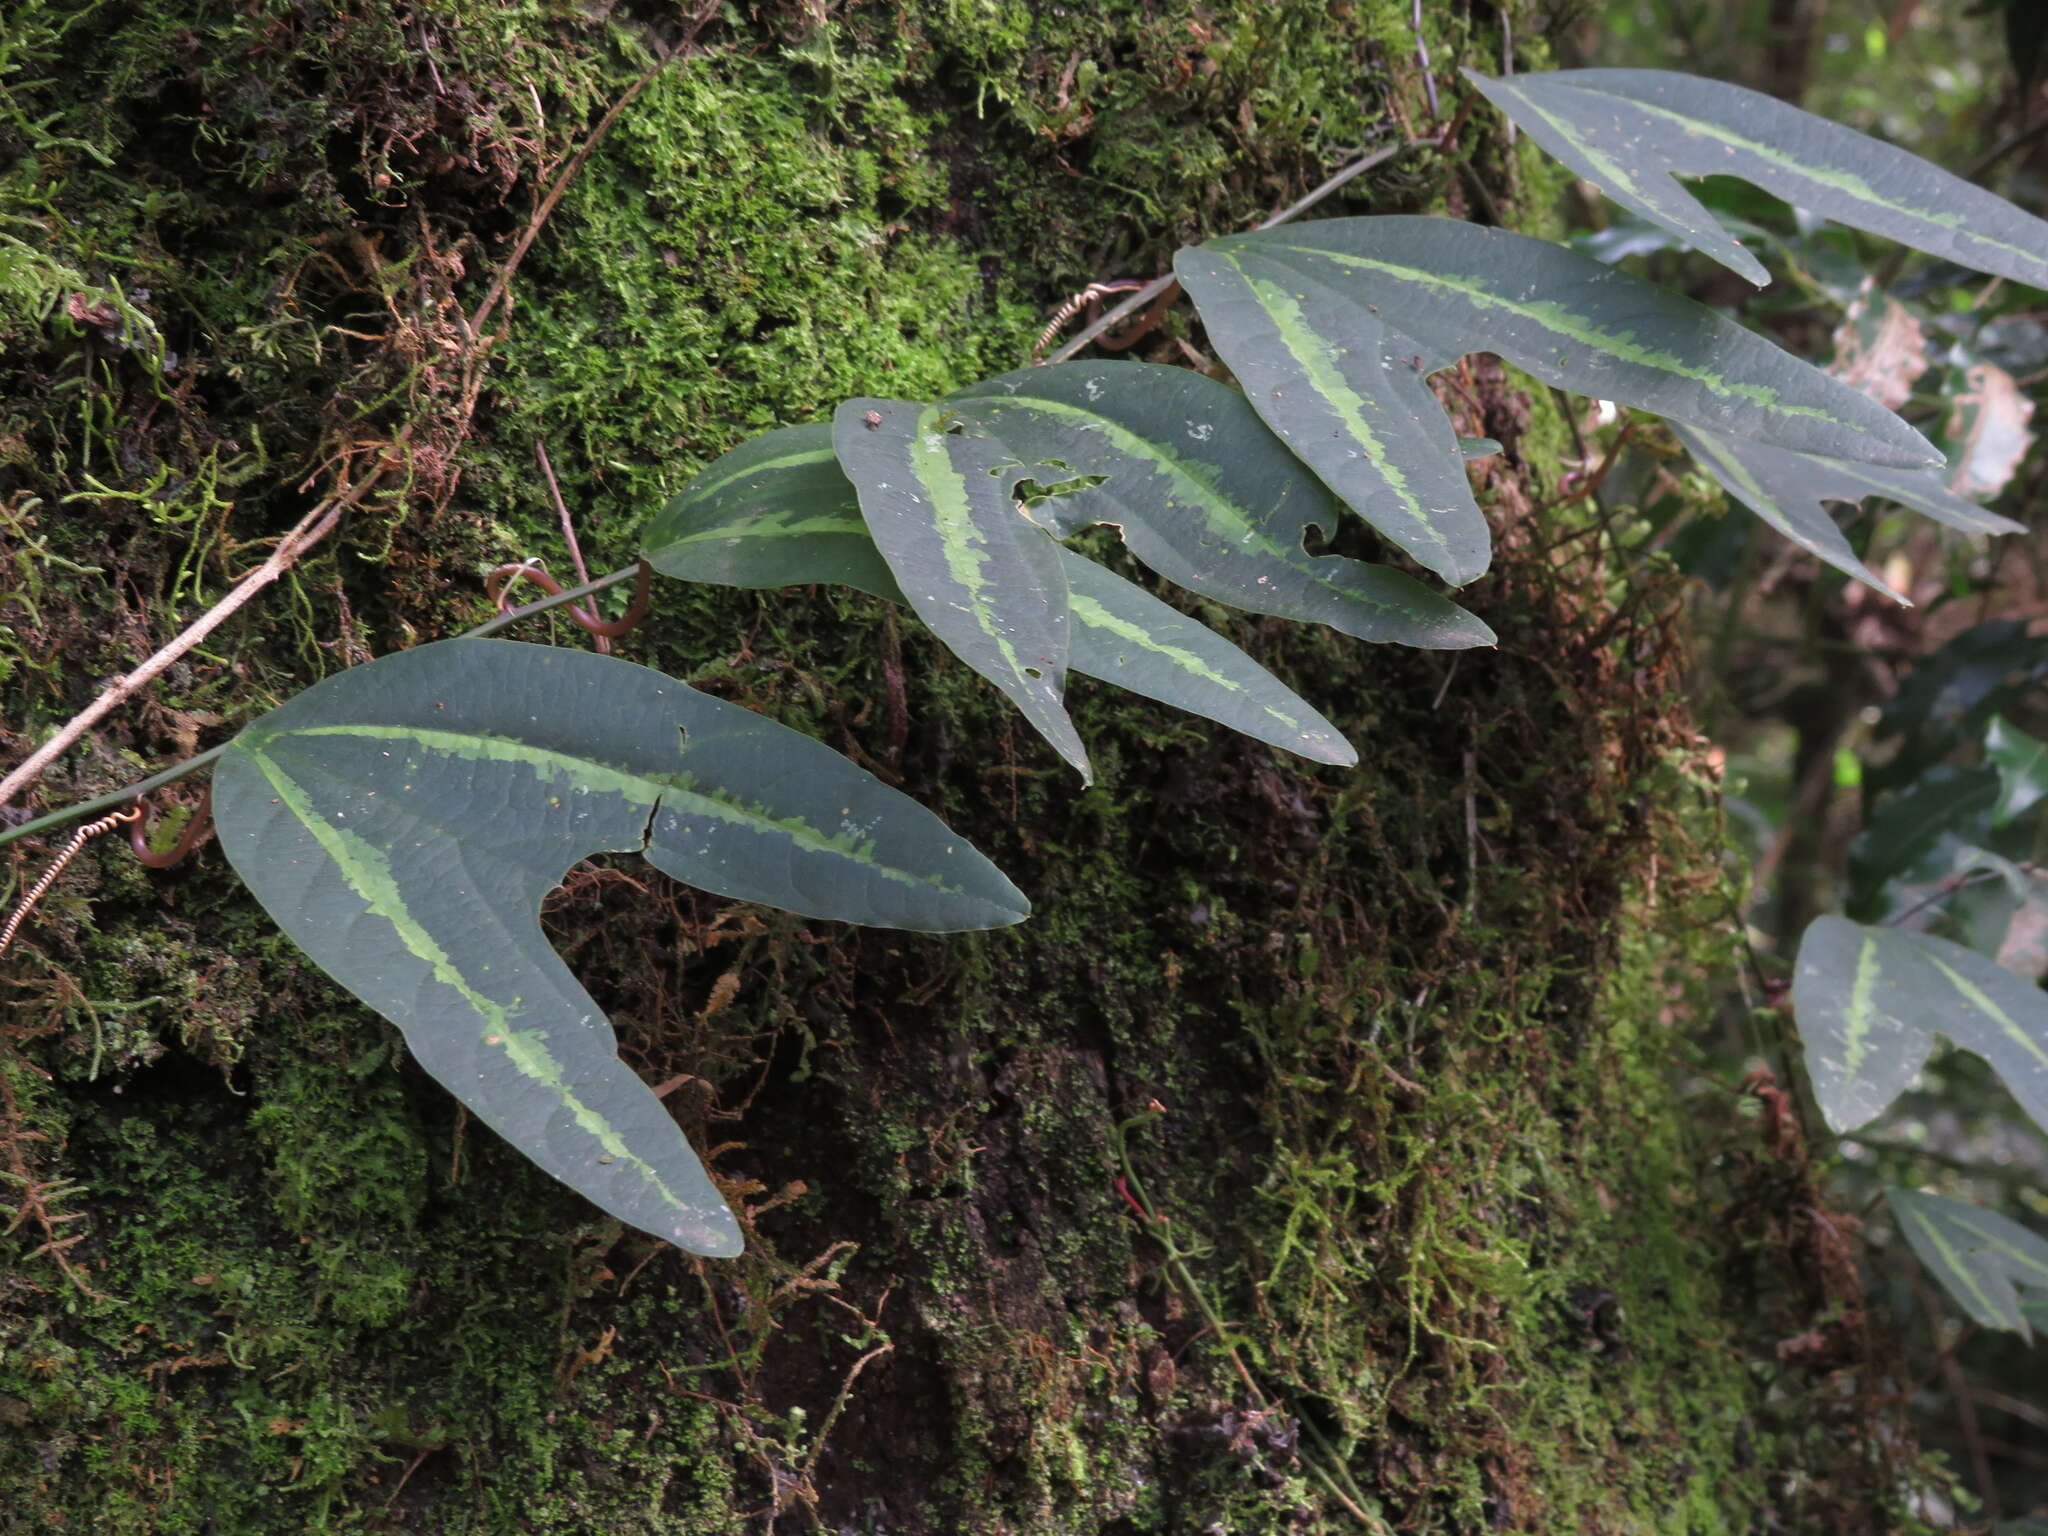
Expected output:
{"points": [[1460, 1258]]}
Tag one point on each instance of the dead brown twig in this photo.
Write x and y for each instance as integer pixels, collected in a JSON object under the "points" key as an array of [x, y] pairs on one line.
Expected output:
{"points": [[309, 531]]}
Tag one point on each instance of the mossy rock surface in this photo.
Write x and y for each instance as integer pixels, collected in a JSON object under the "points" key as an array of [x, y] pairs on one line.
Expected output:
{"points": [[1313, 1158]]}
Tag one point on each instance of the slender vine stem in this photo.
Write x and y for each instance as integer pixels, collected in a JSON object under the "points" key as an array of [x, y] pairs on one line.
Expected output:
{"points": [[179, 770]]}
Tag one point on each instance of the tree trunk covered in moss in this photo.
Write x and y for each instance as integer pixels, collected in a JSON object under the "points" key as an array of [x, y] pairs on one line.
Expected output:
{"points": [[1312, 1158]]}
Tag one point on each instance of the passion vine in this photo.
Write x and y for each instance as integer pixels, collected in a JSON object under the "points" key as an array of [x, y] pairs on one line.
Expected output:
{"points": [[403, 820]]}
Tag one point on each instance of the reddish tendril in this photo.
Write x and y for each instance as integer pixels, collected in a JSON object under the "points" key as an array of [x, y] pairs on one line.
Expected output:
{"points": [[499, 582], [1140, 325], [194, 834], [1090, 299]]}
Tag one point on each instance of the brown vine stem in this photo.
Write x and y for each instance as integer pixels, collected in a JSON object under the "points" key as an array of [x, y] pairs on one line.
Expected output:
{"points": [[310, 530], [1158, 286]]}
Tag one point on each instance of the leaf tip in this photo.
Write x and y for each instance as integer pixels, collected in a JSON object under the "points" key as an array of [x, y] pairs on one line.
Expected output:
{"points": [[715, 1237]]}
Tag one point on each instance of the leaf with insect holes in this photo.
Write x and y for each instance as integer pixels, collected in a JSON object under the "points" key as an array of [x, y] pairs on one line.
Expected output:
{"points": [[1630, 131], [1346, 393], [1870, 1001], [1979, 1256], [1986, 428], [985, 578], [403, 819], [1202, 493], [782, 513], [1880, 347], [1577, 323]]}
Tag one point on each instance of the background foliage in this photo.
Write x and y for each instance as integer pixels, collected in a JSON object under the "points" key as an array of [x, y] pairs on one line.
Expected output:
{"points": [[1866, 760]]}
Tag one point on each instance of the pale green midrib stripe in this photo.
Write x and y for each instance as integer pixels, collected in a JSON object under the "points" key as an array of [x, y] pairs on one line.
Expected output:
{"points": [[1221, 514], [932, 467], [1772, 510], [524, 1049], [656, 794], [1095, 616], [1619, 175], [2003, 1245], [1732, 468], [1958, 507], [767, 526], [1848, 182], [1983, 1001], [1318, 363], [1956, 1267], [1617, 347], [1857, 1017], [696, 493]]}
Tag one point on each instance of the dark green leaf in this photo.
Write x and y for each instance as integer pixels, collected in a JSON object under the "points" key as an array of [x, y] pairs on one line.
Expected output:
{"points": [[1950, 696], [983, 576], [1203, 494], [1776, 486], [1584, 326], [1870, 1001], [777, 511], [1631, 130], [1978, 1256], [1787, 489], [1130, 638], [403, 819], [1346, 394], [1865, 1002], [808, 525], [2022, 764], [1907, 831]]}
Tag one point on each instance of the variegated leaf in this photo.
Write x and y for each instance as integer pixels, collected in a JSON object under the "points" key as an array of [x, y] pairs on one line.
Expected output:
{"points": [[1346, 394], [1870, 1000], [1773, 484], [986, 579], [1989, 1010], [1864, 1000], [402, 821], [1787, 490], [777, 511], [784, 520], [1979, 1256], [1126, 636], [1203, 494], [1631, 130], [1582, 325]]}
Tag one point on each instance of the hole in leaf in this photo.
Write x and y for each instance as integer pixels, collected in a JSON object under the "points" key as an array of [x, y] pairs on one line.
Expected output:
{"points": [[1031, 492]]}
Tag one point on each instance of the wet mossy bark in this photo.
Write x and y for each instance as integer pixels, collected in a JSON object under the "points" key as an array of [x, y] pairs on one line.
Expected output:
{"points": [[1311, 1161]]}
